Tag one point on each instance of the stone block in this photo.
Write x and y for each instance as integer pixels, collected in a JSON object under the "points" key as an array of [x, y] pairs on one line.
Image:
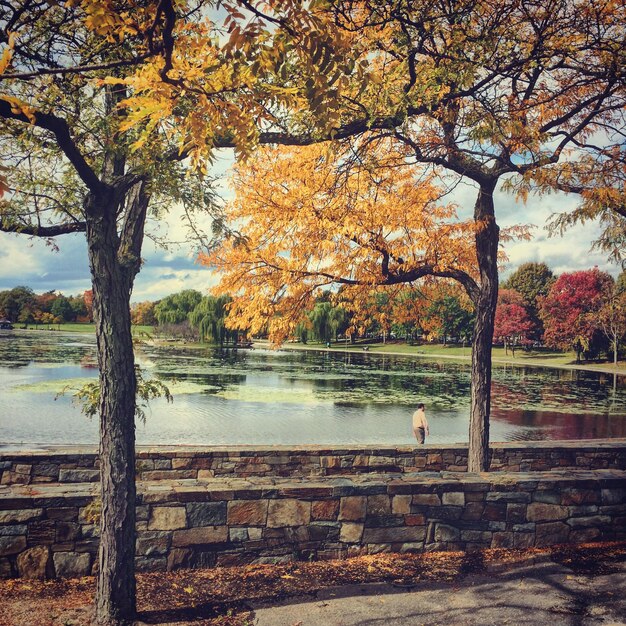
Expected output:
{"points": [[583, 535], [6, 571], [144, 465], [206, 513], [200, 536], [66, 513], [178, 558], [41, 533], [72, 564], [377, 548], [15, 529], [398, 534], [325, 510], [476, 536], [351, 532], [12, 545], [401, 505], [523, 540], [594, 521], [540, 512], [572, 496], [237, 535], [324, 531], [147, 564], [66, 531], [426, 499], [205, 474], [247, 512], [288, 512], [153, 543], [167, 518], [547, 497], [79, 475], [503, 540], [454, 498], [20, 515], [472, 511], [507, 496], [183, 463], [49, 470], [617, 495], [516, 513], [551, 533], [35, 563], [352, 508], [169, 475], [445, 533], [378, 505], [13, 478], [494, 511]]}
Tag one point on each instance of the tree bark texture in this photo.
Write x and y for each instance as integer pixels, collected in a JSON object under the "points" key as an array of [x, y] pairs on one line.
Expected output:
{"points": [[113, 270], [487, 238]]}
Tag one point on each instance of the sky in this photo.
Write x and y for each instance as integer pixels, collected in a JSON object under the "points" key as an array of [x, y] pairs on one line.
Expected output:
{"points": [[32, 263]]}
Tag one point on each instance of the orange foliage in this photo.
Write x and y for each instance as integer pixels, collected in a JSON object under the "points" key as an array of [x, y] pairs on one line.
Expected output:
{"points": [[308, 220]]}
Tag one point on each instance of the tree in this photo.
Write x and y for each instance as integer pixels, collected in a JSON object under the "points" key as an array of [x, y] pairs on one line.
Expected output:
{"points": [[531, 280], [305, 223], [512, 324], [507, 93], [65, 71], [570, 310], [612, 314], [142, 314], [209, 317], [13, 301], [448, 318], [88, 299], [175, 309], [79, 309], [62, 309]]}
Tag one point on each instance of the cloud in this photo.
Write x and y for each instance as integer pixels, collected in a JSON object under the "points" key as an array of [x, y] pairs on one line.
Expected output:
{"points": [[25, 261]]}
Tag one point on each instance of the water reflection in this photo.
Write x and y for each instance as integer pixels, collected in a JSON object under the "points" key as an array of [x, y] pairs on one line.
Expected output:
{"points": [[263, 396]]}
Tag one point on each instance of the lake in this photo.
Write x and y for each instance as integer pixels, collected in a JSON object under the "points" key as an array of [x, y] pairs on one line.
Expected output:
{"points": [[297, 397]]}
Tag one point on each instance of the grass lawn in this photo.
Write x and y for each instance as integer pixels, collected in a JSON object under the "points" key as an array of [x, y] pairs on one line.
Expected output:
{"points": [[71, 327], [541, 357]]}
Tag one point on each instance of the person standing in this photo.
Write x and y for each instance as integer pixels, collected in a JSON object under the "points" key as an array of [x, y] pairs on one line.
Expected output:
{"points": [[420, 424]]}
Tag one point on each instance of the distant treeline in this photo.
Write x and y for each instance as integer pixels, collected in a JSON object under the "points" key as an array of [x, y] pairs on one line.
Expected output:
{"points": [[22, 305], [582, 311]]}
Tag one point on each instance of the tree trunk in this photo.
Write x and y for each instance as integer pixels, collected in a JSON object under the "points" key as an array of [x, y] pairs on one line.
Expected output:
{"points": [[112, 279], [487, 236]]}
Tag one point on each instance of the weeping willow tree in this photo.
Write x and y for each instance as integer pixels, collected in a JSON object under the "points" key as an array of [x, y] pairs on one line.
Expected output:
{"points": [[209, 316]]}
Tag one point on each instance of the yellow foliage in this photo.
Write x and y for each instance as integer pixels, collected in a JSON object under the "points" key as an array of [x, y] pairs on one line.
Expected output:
{"points": [[308, 219]]}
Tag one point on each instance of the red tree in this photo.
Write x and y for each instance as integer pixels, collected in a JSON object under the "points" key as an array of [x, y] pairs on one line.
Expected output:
{"points": [[88, 298], [570, 310], [512, 324]]}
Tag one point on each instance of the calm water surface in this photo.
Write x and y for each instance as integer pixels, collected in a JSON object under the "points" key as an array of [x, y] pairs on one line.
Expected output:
{"points": [[290, 397]]}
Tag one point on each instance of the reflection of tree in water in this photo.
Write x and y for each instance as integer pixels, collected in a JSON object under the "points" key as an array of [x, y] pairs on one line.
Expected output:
{"points": [[528, 403], [572, 391], [556, 425], [42, 346]]}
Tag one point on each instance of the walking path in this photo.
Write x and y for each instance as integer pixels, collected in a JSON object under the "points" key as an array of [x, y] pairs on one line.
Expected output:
{"points": [[534, 593]]}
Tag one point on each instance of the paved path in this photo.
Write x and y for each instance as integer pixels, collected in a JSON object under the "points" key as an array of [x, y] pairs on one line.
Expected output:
{"points": [[531, 594]]}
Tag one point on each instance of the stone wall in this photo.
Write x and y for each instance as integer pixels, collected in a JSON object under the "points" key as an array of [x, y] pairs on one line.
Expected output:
{"points": [[50, 530], [79, 464]]}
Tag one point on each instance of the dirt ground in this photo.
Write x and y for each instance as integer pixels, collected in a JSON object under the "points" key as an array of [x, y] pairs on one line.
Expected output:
{"points": [[226, 596]]}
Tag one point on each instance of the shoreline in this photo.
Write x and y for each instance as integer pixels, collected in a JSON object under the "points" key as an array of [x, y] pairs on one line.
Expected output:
{"points": [[531, 361], [602, 368]]}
